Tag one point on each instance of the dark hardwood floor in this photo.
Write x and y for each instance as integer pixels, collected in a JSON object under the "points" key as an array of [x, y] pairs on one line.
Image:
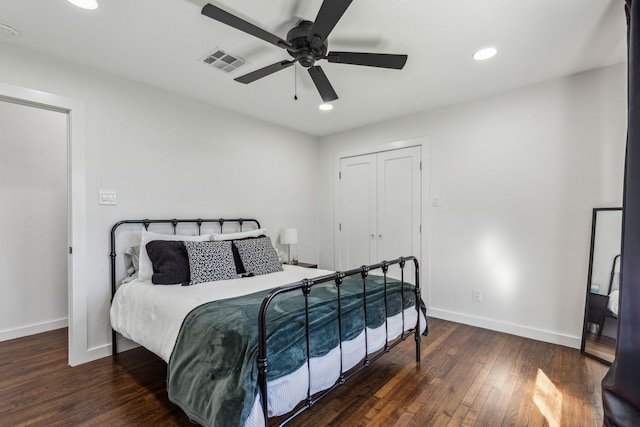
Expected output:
{"points": [[468, 377]]}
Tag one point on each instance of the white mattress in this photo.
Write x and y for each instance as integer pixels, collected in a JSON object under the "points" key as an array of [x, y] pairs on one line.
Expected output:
{"points": [[152, 315]]}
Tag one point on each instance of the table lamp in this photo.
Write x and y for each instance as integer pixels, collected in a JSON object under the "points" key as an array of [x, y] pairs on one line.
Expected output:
{"points": [[289, 236]]}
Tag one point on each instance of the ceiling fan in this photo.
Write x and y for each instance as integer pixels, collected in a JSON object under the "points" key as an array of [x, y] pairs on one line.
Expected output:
{"points": [[307, 43]]}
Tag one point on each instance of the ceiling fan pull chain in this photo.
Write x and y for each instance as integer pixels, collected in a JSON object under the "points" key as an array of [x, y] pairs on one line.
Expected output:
{"points": [[295, 82]]}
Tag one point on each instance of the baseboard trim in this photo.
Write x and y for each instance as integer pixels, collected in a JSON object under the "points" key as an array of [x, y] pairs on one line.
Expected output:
{"points": [[100, 351], [104, 350], [508, 328], [37, 328]]}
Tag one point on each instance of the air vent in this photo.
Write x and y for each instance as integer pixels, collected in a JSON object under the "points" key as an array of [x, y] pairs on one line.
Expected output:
{"points": [[222, 60]]}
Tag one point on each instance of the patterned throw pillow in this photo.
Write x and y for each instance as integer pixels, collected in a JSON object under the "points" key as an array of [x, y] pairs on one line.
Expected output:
{"points": [[258, 256], [210, 261]]}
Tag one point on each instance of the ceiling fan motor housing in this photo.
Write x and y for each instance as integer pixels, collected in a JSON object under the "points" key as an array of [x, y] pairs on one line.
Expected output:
{"points": [[304, 53]]}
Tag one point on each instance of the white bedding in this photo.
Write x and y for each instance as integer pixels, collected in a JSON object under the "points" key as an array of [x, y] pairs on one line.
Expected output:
{"points": [[152, 315], [612, 305]]}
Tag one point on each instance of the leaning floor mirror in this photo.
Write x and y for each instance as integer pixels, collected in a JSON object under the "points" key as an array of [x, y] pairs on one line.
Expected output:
{"points": [[601, 309]]}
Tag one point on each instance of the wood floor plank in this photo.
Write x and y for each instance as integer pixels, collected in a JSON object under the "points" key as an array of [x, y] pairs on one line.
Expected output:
{"points": [[468, 377]]}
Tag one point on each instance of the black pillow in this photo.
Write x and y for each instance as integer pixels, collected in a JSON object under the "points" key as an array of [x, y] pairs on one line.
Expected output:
{"points": [[237, 260], [170, 262], [236, 256]]}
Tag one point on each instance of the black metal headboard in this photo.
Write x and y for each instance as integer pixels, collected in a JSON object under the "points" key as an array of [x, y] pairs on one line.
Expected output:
{"points": [[174, 223], [616, 260]]}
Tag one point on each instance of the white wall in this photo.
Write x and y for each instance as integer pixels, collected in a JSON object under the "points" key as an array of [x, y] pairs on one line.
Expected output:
{"points": [[168, 156], [33, 191], [517, 175]]}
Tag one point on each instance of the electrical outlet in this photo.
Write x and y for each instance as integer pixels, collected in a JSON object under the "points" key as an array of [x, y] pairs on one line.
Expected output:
{"points": [[476, 295]]}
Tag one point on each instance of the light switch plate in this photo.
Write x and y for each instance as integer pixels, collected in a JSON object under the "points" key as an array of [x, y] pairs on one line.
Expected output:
{"points": [[107, 197]]}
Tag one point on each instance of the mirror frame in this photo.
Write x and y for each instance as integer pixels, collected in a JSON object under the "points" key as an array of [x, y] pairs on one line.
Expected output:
{"points": [[589, 278]]}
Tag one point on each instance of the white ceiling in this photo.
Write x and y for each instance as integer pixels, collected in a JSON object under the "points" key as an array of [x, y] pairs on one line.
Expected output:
{"points": [[159, 42]]}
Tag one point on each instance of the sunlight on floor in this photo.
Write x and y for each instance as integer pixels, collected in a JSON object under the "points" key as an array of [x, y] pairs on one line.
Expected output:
{"points": [[548, 399]]}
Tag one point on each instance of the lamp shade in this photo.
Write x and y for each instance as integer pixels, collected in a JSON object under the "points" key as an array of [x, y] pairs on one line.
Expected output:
{"points": [[289, 236]]}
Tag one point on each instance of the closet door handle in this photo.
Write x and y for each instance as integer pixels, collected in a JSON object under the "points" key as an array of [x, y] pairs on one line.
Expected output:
{"points": [[380, 236], [373, 236]]}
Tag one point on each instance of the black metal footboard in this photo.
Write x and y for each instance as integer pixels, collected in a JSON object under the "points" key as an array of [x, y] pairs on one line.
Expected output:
{"points": [[338, 277]]}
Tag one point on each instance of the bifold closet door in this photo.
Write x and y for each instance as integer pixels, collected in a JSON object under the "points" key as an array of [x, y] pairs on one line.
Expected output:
{"points": [[379, 210], [358, 219], [398, 205]]}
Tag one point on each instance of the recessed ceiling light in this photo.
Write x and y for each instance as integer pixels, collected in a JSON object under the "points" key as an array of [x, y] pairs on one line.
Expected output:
{"points": [[485, 53], [325, 107], [85, 4]]}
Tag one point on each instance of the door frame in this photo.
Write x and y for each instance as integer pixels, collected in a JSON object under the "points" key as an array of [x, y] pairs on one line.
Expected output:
{"points": [[76, 207], [425, 195]]}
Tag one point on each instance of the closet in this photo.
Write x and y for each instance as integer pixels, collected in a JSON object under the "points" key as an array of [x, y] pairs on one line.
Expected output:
{"points": [[378, 207]]}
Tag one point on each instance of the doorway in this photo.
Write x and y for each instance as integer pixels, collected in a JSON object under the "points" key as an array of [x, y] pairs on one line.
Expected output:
{"points": [[79, 351], [34, 190]]}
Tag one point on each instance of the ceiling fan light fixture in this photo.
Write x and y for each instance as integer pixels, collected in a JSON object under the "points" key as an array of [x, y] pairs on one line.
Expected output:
{"points": [[326, 106], [484, 54], [85, 4]]}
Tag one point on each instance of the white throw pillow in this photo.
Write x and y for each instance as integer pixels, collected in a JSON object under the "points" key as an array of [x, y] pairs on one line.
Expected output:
{"points": [[145, 270], [239, 235]]}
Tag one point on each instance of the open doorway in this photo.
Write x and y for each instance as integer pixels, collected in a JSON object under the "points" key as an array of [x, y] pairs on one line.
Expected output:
{"points": [[76, 209], [34, 192]]}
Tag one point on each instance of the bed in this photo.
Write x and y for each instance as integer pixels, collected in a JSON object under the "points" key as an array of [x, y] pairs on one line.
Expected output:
{"points": [[614, 288], [240, 350]]}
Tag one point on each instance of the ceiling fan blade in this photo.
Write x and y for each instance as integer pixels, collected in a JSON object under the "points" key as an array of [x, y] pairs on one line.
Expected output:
{"points": [[264, 72], [330, 13], [382, 60], [360, 42], [225, 17], [322, 84]]}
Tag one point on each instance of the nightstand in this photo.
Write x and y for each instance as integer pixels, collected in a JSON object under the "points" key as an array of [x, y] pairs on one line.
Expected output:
{"points": [[597, 311], [304, 264]]}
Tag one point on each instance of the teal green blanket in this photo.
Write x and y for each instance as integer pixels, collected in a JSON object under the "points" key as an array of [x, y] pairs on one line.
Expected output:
{"points": [[212, 372]]}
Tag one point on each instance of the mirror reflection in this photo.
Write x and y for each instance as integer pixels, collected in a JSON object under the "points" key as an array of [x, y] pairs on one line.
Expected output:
{"points": [[601, 310]]}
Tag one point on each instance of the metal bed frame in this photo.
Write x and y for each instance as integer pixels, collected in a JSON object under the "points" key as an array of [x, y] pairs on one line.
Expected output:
{"points": [[305, 287], [338, 277], [174, 223]]}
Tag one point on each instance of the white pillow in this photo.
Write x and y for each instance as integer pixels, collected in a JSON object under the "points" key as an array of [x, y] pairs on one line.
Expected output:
{"points": [[145, 270], [239, 235]]}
